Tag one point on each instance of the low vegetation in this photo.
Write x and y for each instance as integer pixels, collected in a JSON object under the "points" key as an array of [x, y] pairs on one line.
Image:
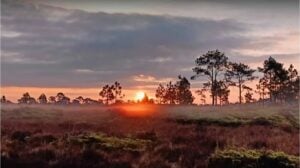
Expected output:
{"points": [[252, 159], [111, 143], [276, 121], [149, 136]]}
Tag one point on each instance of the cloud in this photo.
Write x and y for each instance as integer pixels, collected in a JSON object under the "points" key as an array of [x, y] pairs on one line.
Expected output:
{"points": [[57, 47], [161, 59], [90, 72], [285, 42], [150, 79]]}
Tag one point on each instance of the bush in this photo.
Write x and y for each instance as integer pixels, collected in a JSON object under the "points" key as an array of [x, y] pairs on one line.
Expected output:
{"points": [[111, 143], [20, 135], [251, 159], [210, 121]]}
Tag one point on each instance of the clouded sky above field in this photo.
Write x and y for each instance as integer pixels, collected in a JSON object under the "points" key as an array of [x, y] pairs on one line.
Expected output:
{"points": [[139, 43]]}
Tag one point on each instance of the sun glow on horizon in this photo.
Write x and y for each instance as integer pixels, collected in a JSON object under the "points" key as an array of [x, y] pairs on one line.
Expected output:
{"points": [[139, 95]]}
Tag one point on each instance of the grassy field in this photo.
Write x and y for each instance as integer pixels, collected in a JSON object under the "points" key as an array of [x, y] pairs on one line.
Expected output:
{"points": [[149, 136]]}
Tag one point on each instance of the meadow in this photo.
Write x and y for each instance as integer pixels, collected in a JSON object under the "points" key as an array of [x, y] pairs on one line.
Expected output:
{"points": [[148, 136]]}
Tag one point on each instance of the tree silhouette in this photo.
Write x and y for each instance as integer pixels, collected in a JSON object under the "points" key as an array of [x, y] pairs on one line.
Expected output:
{"points": [[52, 100], [261, 89], [117, 88], [112, 93], [75, 101], [160, 94], [26, 99], [238, 74], [79, 100], [170, 94], [282, 84], [183, 95], [42, 99], [222, 92], [248, 95], [275, 77], [107, 94], [291, 86], [84, 101], [178, 93], [3, 99], [146, 100], [202, 95], [91, 101], [62, 99], [211, 65]]}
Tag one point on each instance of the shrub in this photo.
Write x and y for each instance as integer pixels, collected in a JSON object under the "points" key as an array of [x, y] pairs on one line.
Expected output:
{"points": [[41, 139], [20, 135], [111, 143], [226, 122], [251, 159]]}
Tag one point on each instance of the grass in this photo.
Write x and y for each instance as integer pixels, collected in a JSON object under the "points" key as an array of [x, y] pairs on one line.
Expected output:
{"points": [[146, 136]]}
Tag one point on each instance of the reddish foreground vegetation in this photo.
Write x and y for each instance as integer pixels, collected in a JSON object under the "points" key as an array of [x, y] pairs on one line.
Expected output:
{"points": [[150, 136]]}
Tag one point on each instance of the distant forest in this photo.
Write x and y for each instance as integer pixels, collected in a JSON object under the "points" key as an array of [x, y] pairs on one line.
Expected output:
{"points": [[277, 85]]}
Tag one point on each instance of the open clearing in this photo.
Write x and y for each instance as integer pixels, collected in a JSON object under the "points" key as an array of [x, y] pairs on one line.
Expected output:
{"points": [[150, 136]]}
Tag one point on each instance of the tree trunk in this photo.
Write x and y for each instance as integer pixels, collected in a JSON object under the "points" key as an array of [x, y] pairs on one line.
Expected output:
{"points": [[213, 98], [212, 87], [240, 93]]}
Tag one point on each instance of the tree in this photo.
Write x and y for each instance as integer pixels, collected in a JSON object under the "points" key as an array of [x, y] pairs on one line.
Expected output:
{"points": [[275, 77], [170, 94], [291, 87], [211, 64], [42, 99], [75, 101], [146, 100], [248, 95], [178, 93], [91, 101], [202, 95], [261, 89], [79, 100], [52, 100], [222, 92], [183, 95], [238, 74], [3, 99], [160, 94], [112, 93], [26, 99], [62, 99], [59, 97], [107, 94], [117, 88]]}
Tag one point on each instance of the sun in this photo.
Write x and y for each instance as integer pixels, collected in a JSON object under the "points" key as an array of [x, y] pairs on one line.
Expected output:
{"points": [[139, 95]]}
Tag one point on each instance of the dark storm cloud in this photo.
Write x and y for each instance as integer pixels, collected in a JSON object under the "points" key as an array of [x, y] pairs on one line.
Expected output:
{"points": [[50, 46]]}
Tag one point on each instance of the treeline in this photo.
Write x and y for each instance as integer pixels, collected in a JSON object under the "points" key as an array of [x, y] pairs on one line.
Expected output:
{"points": [[60, 98], [275, 85]]}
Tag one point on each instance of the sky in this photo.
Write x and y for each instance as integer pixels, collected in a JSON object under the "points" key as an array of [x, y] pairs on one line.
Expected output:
{"points": [[76, 47]]}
